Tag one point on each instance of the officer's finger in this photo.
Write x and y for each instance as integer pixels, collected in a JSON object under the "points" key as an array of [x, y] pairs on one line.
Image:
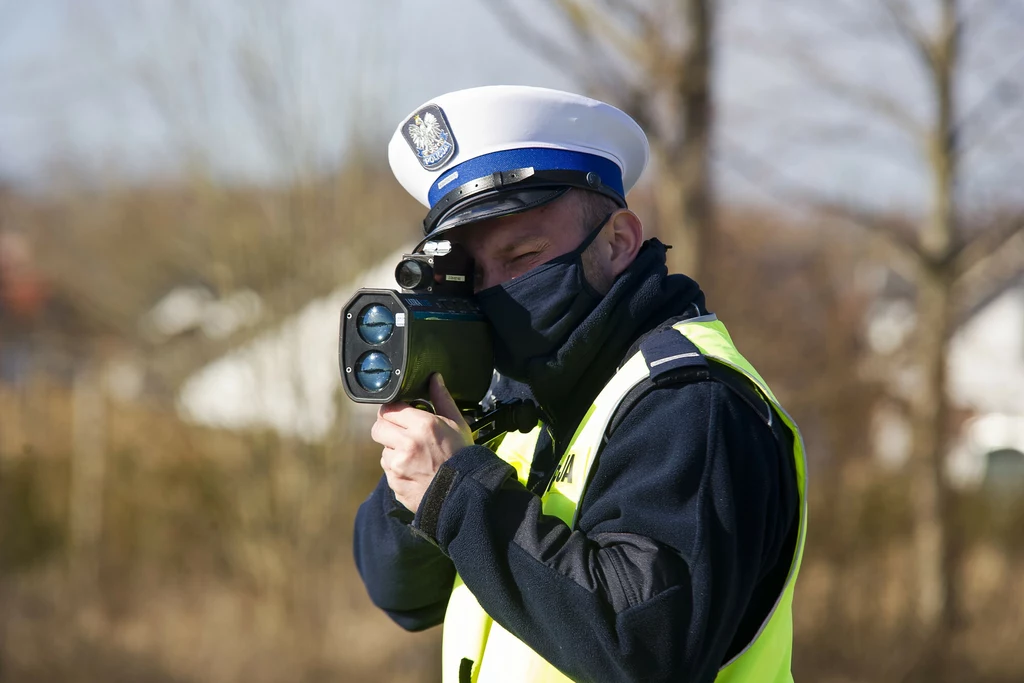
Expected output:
{"points": [[391, 462], [409, 418], [398, 413], [389, 435], [443, 402], [393, 407]]}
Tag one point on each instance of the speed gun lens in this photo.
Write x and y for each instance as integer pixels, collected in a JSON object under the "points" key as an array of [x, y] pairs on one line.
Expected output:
{"points": [[376, 324], [373, 371], [412, 274]]}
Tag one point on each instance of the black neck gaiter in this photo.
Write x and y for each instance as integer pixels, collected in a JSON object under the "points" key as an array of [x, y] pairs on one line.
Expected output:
{"points": [[534, 314], [566, 376]]}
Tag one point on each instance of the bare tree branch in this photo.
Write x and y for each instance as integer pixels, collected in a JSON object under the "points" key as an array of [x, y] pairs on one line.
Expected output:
{"points": [[859, 95], [994, 131], [629, 11], [544, 46], [989, 276], [654, 61], [984, 245], [592, 24], [900, 15], [983, 8], [901, 254], [643, 48], [1002, 90], [590, 63]]}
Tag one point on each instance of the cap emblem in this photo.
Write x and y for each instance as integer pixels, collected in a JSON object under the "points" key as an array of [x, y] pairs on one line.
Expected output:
{"points": [[430, 138]]}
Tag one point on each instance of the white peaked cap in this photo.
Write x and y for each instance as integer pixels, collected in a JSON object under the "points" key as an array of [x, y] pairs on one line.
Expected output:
{"points": [[470, 148]]}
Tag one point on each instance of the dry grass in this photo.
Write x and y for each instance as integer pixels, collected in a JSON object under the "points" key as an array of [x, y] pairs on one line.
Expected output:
{"points": [[226, 557], [222, 557]]}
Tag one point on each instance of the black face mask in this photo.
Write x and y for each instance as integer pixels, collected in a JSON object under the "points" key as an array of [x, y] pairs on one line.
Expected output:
{"points": [[533, 315]]}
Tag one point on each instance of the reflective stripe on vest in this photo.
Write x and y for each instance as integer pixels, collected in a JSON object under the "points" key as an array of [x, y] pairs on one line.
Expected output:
{"points": [[477, 649]]}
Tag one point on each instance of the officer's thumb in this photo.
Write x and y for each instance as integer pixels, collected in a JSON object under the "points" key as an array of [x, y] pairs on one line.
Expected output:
{"points": [[444, 404]]}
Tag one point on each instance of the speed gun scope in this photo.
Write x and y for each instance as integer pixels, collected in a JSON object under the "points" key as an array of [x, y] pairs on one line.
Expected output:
{"points": [[391, 342]]}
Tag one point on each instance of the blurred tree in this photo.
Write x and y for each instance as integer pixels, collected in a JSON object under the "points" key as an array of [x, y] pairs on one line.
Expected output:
{"points": [[293, 230], [655, 61], [115, 255], [955, 258]]}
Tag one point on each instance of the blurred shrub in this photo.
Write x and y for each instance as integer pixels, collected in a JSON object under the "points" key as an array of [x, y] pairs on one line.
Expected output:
{"points": [[31, 529]]}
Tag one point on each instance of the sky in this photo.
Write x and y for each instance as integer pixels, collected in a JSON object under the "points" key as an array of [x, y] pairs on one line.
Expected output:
{"points": [[254, 91], [123, 90]]}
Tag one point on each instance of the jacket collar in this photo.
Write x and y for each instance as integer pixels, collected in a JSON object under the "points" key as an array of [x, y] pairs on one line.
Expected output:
{"points": [[565, 383]]}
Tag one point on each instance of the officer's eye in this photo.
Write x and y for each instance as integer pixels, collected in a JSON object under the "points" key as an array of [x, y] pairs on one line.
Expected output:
{"points": [[523, 257]]}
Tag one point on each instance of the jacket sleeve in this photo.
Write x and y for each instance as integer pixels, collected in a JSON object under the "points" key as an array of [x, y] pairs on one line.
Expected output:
{"points": [[683, 517], [405, 575]]}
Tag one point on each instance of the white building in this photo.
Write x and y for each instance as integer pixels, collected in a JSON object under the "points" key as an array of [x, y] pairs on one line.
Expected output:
{"points": [[986, 377], [286, 379], [986, 367]]}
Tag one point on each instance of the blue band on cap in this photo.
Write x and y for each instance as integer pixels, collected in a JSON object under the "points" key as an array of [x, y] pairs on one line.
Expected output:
{"points": [[540, 158]]}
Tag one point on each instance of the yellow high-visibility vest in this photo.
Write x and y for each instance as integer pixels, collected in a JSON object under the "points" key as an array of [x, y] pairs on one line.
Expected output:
{"points": [[478, 649]]}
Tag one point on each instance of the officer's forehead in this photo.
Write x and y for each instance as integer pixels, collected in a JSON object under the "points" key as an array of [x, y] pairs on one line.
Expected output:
{"points": [[550, 221]]}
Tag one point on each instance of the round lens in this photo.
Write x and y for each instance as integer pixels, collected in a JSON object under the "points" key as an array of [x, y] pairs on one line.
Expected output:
{"points": [[373, 371], [411, 274], [376, 323]]}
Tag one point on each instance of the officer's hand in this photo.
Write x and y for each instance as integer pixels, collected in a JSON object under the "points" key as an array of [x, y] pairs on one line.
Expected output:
{"points": [[416, 443]]}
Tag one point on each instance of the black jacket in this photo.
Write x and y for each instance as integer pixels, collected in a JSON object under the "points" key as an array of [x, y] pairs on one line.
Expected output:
{"points": [[683, 539]]}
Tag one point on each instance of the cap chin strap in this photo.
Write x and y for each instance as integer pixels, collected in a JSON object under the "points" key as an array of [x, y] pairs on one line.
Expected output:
{"points": [[514, 180]]}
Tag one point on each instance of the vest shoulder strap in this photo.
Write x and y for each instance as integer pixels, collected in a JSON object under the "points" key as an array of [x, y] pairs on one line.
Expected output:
{"points": [[672, 359]]}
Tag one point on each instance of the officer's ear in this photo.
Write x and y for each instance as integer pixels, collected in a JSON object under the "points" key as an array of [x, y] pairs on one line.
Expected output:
{"points": [[625, 236]]}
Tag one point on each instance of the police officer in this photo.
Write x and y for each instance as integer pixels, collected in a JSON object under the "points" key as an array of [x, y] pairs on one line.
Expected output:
{"points": [[651, 527]]}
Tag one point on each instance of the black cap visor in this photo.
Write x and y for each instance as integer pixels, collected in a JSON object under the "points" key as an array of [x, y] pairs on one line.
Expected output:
{"points": [[504, 204], [507, 193]]}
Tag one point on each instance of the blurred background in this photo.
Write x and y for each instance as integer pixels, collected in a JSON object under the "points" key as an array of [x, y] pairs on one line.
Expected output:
{"points": [[189, 191]]}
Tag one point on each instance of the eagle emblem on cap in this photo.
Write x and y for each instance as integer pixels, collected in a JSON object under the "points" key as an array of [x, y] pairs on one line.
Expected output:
{"points": [[430, 138]]}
